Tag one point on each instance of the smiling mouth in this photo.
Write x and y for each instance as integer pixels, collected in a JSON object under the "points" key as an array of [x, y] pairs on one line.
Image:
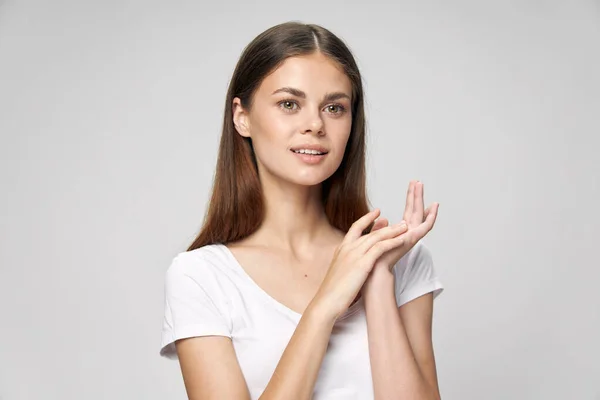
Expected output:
{"points": [[312, 153], [308, 158]]}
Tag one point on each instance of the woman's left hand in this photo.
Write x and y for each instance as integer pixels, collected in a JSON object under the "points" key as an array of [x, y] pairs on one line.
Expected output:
{"points": [[419, 223]]}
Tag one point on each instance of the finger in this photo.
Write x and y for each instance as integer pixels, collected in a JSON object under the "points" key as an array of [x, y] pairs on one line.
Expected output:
{"points": [[408, 209], [360, 225], [431, 217], [426, 212], [421, 230], [380, 223], [368, 241], [377, 250], [418, 205]]}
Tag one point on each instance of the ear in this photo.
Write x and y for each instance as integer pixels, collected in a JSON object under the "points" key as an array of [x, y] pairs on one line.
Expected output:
{"points": [[240, 118]]}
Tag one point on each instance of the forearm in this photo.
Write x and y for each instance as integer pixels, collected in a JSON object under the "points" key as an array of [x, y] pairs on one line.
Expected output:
{"points": [[396, 374], [296, 373]]}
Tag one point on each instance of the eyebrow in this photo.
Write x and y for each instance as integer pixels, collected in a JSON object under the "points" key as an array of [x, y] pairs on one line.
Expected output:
{"points": [[299, 93]]}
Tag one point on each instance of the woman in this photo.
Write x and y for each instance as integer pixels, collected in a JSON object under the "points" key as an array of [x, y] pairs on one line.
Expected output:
{"points": [[293, 289]]}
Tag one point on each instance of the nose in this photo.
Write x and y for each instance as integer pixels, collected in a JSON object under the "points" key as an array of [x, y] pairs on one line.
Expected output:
{"points": [[314, 125]]}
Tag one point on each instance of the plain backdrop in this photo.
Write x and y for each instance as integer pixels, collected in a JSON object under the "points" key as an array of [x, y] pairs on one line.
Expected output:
{"points": [[110, 117]]}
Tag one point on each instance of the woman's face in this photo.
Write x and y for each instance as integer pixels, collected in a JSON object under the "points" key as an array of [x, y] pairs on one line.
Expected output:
{"points": [[306, 101]]}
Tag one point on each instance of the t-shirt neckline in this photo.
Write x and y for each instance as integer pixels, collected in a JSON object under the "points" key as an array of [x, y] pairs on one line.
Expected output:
{"points": [[270, 299]]}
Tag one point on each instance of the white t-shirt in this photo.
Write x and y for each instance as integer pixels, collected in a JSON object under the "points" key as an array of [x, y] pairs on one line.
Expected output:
{"points": [[207, 292]]}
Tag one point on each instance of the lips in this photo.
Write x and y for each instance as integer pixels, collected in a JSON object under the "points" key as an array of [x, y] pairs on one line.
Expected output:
{"points": [[309, 154], [310, 159], [309, 146]]}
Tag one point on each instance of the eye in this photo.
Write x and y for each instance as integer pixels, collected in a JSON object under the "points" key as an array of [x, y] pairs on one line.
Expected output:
{"points": [[336, 109], [287, 105]]}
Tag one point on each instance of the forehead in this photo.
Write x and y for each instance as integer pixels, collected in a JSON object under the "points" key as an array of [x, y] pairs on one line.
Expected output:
{"points": [[314, 74]]}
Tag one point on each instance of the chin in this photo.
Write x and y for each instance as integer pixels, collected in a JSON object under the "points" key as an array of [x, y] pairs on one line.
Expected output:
{"points": [[308, 182], [310, 179], [305, 176]]}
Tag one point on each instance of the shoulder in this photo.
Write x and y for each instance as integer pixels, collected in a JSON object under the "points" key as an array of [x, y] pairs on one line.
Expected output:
{"points": [[196, 297], [204, 259], [199, 277], [206, 266]]}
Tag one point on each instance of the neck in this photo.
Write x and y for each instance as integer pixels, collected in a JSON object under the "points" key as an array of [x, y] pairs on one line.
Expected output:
{"points": [[295, 220]]}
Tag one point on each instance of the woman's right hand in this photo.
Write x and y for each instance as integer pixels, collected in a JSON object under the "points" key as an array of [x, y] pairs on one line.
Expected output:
{"points": [[352, 262]]}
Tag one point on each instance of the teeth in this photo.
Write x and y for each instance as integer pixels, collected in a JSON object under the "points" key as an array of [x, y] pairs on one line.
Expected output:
{"points": [[305, 151]]}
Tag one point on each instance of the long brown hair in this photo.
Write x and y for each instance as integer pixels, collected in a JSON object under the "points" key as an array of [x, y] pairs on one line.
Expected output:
{"points": [[236, 207]]}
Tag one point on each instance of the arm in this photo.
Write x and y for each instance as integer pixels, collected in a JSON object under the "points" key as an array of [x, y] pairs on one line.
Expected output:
{"points": [[210, 368], [400, 345], [298, 368], [211, 371]]}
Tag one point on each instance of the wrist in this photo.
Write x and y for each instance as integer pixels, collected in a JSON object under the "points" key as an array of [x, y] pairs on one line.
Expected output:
{"points": [[380, 280], [318, 312], [382, 273]]}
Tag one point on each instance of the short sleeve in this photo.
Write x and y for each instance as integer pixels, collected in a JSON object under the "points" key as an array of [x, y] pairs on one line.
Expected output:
{"points": [[193, 305], [416, 275]]}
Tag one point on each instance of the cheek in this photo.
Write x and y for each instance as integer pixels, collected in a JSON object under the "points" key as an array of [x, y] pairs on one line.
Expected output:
{"points": [[270, 135], [273, 126], [339, 130]]}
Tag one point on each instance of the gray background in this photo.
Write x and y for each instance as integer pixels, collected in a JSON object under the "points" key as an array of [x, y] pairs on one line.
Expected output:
{"points": [[110, 121]]}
